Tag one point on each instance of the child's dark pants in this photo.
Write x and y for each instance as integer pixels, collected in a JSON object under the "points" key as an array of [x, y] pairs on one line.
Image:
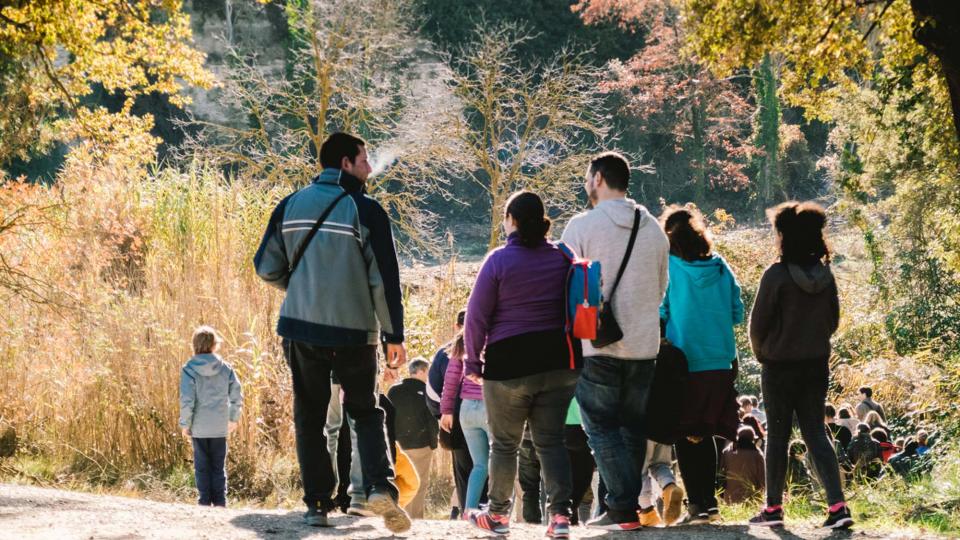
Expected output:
{"points": [[209, 460]]}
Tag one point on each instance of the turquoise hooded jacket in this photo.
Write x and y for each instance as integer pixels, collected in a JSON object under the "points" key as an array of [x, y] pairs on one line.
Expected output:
{"points": [[701, 307]]}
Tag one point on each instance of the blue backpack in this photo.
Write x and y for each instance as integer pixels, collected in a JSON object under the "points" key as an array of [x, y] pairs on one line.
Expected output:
{"points": [[584, 295]]}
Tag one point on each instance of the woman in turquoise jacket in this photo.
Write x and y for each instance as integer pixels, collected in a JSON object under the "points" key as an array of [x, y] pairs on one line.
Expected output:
{"points": [[701, 306]]}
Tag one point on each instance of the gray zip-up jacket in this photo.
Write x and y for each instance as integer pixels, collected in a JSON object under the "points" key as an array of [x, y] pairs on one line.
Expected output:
{"points": [[210, 396], [346, 289]]}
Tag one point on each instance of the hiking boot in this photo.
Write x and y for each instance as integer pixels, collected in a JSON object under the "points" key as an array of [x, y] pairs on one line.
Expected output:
{"points": [[768, 518], [394, 518], [650, 518], [714, 514], [606, 523], [559, 527], [491, 523], [841, 519], [315, 517], [672, 503]]}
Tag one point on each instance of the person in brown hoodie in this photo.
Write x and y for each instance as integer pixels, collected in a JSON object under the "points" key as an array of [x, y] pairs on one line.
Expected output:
{"points": [[796, 311], [742, 467]]}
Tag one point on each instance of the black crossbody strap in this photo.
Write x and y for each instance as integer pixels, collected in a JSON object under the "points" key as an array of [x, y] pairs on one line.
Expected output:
{"points": [[626, 257], [298, 253]]}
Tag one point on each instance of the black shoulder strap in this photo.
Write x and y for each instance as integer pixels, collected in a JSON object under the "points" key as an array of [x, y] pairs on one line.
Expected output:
{"points": [[626, 257], [298, 253]]}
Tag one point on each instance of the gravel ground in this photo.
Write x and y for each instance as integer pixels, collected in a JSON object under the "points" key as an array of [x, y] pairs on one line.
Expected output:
{"points": [[31, 512]]}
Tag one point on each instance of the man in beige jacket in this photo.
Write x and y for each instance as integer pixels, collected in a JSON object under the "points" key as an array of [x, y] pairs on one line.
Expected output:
{"points": [[615, 381]]}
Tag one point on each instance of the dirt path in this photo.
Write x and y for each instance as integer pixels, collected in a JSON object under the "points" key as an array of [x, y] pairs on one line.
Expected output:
{"points": [[30, 512]]}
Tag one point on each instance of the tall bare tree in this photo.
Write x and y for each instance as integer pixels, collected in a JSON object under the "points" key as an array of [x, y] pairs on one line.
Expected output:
{"points": [[525, 127]]}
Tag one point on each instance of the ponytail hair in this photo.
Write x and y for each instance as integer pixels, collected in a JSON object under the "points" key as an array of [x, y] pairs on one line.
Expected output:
{"points": [[801, 228], [526, 208], [687, 231], [457, 350]]}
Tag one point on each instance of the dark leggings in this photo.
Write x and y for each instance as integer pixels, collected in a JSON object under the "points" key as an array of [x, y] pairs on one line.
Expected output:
{"points": [[698, 468], [799, 388]]}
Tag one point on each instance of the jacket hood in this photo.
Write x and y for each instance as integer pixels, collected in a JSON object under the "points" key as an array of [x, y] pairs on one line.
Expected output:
{"points": [[621, 211], [811, 279], [701, 273], [205, 365]]}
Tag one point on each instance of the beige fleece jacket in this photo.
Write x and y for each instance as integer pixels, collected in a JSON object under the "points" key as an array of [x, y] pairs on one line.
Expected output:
{"points": [[602, 235]]}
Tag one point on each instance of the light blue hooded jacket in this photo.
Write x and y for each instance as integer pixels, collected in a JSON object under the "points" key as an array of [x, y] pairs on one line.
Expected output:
{"points": [[210, 396], [701, 307]]}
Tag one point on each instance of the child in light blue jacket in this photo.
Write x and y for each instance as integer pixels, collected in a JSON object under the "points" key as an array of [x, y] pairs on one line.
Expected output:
{"points": [[210, 402]]}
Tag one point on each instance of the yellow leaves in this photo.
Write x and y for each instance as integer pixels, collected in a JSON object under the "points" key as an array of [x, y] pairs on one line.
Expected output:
{"points": [[131, 48]]}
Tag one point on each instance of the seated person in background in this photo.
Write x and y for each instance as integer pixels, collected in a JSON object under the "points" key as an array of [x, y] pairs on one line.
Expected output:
{"points": [[898, 443], [756, 412], [847, 419], [747, 419], [864, 452], [905, 462], [742, 467], [838, 431], [886, 447], [922, 442], [874, 420]]}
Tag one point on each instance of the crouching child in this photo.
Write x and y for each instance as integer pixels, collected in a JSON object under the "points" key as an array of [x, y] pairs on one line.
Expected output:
{"points": [[210, 402]]}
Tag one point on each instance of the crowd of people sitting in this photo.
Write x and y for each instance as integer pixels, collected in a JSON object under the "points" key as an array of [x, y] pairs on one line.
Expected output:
{"points": [[534, 415]]}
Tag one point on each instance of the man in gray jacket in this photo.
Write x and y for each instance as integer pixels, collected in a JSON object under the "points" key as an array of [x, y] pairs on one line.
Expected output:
{"points": [[342, 300], [615, 381]]}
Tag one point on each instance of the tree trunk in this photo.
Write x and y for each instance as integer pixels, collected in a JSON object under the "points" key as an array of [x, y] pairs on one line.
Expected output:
{"points": [[697, 122], [937, 28]]}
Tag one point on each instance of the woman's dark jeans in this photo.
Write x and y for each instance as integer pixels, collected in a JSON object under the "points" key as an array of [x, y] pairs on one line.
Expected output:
{"points": [[799, 388], [542, 401]]}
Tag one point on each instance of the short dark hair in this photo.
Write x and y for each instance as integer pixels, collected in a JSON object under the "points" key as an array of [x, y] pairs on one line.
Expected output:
{"points": [[614, 169], [339, 145], [800, 225], [829, 411], [687, 232], [845, 412], [866, 390], [879, 435], [461, 317], [754, 401], [863, 428], [745, 400], [418, 365], [922, 437]]}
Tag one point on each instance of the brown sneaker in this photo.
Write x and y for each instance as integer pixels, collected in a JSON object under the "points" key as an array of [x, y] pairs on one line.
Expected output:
{"points": [[672, 503], [394, 518], [650, 518]]}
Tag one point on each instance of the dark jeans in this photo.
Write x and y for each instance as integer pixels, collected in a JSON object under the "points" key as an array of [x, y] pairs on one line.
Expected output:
{"points": [[529, 477], [801, 389], [698, 468], [356, 369], [542, 401], [209, 462], [613, 402], [581, 469]]}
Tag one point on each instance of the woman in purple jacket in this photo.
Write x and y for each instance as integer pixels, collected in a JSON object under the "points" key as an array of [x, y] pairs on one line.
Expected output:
{"points": [[529, 367]]}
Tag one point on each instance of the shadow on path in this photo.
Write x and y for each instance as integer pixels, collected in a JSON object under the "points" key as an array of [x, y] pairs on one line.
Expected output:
{"points": [[291, 526]]}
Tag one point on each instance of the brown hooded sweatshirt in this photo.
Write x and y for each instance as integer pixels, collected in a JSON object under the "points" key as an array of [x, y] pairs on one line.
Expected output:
{"points": [[796, 311]]}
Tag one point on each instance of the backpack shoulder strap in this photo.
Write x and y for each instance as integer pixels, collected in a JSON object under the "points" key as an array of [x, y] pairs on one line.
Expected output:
{"points": [[567, 252], [298, 253]]}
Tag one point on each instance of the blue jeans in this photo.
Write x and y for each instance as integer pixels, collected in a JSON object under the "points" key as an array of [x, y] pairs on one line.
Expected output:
{"points": [[209, 462], [613, 403], [473, 420]]}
